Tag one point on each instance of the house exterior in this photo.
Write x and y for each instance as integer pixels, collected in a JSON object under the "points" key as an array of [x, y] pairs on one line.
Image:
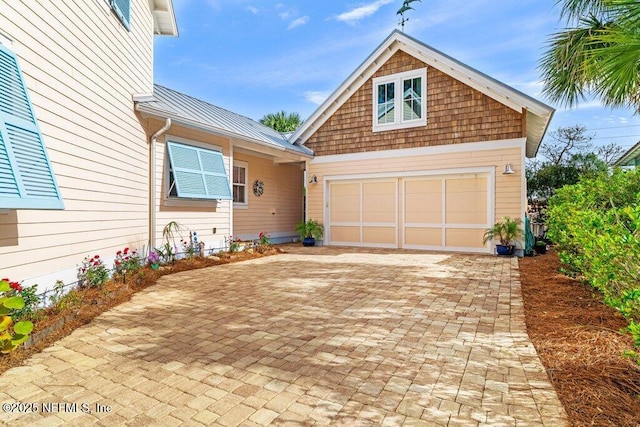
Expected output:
{"points": [[95, 158], [630, 159], [410, 152], [264, 191]]}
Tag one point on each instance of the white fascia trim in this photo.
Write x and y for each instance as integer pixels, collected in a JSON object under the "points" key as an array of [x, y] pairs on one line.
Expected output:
{"points": [[423, 151], [492, 88], [342, 93]]}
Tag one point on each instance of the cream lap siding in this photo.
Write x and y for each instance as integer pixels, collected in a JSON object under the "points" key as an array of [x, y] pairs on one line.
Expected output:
{"points": [[81, 68], [283, 184]]}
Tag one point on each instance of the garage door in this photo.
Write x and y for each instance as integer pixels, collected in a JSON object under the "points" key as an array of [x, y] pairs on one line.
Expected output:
{"points": [[364, 213], [448, 212]]}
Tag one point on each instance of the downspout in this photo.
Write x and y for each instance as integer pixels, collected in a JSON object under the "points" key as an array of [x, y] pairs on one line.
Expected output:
{"points": [[152, 183], [231, 157]]}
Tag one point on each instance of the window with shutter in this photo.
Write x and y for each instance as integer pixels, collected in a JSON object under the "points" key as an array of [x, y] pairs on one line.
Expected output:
{"points": [[197, 173], [122, 9], [26, 176]]}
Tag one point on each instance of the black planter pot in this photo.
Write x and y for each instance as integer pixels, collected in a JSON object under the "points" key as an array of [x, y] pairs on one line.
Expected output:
{"points": [[309, 241], [541, 249], [505, 250]]}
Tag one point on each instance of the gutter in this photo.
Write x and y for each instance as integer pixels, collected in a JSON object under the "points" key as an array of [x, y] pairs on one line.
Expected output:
{"points": [[152, 183]]}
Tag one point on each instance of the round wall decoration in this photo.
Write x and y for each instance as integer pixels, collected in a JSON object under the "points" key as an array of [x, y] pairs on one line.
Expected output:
{"points": [[258, 188]]}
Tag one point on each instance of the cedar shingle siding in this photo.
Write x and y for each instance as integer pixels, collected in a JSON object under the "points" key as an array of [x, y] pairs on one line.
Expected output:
{"points": [[456, 113]]}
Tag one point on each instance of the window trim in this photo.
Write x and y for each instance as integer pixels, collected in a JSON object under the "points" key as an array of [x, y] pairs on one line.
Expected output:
{"points": [[245, 165], [398, 80], [198, 146]]}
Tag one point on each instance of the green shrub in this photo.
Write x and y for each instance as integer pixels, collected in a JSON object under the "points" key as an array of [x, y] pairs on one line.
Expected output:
{"points": [[11, 334], [596, 224]]}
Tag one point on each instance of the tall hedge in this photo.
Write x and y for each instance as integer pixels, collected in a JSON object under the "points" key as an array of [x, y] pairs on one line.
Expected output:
{"points": [[596, 224]]}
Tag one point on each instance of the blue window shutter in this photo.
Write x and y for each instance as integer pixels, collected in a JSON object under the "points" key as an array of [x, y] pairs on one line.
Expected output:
{"points": [[26, 176], [198, 173], [122, 8]]}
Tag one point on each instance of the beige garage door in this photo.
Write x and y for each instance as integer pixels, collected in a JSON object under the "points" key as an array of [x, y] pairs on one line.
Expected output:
{"points": [[436, 212], [364, 213], [448, 212]]}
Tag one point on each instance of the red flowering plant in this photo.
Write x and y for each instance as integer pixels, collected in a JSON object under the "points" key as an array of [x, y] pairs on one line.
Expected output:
{"points": [[234, 243], [264, 238], [127, 261], [92, 272], [11, 334]]}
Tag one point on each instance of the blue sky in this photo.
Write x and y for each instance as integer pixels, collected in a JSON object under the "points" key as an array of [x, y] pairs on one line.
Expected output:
{"points": [[259, 56]]}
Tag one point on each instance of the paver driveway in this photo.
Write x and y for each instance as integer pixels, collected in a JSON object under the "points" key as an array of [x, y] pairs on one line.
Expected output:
{"points": [[321, 335]]}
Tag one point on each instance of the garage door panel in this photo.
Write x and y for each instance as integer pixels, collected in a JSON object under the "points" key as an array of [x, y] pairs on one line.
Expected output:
{"points": [[423, 201], [379, 202], [346, 189], [379, 235], [423, 236], [464, 237], [345, 202], [345, 234], [466, 201]]}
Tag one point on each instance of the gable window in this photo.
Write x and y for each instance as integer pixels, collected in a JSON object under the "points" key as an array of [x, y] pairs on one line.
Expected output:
{"points": [[26, 176], [122, 9], [399, 100], [240, 177], [197, 173]]}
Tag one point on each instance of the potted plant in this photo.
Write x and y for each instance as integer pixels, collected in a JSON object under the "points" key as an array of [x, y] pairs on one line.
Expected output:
{"points": [[540, 247], [309, 231], [505, 231]]}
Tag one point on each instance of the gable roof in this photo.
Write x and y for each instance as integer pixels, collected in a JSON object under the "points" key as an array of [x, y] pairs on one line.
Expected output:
{"points": [[538, 114], [195, 113], [630, 157]]}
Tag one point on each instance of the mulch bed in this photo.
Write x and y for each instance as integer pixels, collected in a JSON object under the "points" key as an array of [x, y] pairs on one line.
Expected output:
{"points": [[57, 324], [579, 341]]}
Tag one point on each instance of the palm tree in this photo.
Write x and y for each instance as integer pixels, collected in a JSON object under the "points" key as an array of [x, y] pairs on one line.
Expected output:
{"points": [[599, 56], [281, 121]]}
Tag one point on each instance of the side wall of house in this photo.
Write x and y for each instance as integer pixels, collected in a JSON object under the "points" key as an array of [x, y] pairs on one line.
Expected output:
{"points": [[279, 208], [81, 68], [203, 217]]}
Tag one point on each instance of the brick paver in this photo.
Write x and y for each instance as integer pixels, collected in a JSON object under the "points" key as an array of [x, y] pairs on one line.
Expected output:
{"points": [[315, 336]]}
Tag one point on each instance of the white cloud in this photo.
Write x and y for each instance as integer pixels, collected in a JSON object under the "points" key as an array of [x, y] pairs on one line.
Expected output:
{"points": [[253, 9], [317, 97], [297, 22], [362, 12], [286, 15]]}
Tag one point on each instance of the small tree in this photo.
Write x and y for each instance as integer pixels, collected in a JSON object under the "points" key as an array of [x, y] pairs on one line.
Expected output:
{"points": [[282, 121], [567, 157], [564, 142]]}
